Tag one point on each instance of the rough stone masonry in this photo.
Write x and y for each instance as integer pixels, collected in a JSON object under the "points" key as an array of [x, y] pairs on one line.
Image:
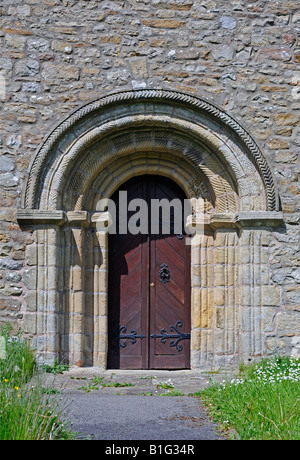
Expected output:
{"points": [[241, 56]]}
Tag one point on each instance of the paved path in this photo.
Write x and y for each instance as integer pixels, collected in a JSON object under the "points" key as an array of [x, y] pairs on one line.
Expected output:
{"points": [[101, 416], [139, 411]]}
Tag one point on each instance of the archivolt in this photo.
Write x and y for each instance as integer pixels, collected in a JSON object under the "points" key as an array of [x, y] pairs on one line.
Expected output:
{"points": [[205, 141], [148, 150]]}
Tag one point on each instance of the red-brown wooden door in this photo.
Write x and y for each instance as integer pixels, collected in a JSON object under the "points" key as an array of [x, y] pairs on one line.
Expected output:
{"points": [[149, 287]]}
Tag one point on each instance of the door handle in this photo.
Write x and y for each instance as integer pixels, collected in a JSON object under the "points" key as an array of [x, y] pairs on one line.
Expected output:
{"points": [[164, 273], [152, 284]]}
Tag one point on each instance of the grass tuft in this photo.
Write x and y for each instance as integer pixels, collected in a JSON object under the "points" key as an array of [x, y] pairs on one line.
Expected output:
{"points": [[263, 403], [28, 411]]}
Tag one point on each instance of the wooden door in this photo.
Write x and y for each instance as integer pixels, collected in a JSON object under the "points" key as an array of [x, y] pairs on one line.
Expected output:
{"points": [[149, 287]]}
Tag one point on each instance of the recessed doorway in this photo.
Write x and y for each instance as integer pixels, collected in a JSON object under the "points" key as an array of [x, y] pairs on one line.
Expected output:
{"points": [[149, 281]]}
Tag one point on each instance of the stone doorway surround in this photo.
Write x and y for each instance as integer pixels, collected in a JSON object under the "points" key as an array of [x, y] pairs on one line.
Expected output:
{"points": [[235, 207]]}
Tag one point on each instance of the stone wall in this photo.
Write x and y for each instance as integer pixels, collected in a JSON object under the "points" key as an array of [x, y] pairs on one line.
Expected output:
{"points": [[242, 56]]}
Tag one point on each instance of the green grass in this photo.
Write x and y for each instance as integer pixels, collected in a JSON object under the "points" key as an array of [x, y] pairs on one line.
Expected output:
{"points": [[56, 368], [168, 384], [28, 411], [173, 393], [263, 403], [19, 364]]}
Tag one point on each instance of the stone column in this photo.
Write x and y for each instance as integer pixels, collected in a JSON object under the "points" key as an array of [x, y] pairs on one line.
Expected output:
{"points": [[98, 287], [232, 295], [259, 297], [41, 281], [225, 293], [73, 295], [201, 291]]}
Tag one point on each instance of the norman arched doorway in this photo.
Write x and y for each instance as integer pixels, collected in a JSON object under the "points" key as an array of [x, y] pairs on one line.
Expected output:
{"points": [[235, 204], [149, 287]]}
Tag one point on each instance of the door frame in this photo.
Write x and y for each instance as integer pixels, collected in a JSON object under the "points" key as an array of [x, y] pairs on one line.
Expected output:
{"points": [[149, 268]]}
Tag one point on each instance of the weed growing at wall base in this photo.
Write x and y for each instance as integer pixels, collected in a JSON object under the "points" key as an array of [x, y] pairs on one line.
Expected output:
{"points": [[262, 403], [25, 412], [18, 363]]}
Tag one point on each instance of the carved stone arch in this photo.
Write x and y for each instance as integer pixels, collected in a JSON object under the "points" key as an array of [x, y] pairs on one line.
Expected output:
{"points": [[212, 158], [178, 159], [151, 163], [188, 114]]}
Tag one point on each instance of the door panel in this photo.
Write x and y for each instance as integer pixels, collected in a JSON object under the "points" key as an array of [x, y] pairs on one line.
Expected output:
{"points": [[128, 294], [149, 290], [170, 296]]}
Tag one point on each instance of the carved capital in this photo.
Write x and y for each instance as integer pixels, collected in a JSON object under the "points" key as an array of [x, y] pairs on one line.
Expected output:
{"points": [[78, 218], [225, 221], [102, 220], [258, 219], [39, 217], [196, 223]]}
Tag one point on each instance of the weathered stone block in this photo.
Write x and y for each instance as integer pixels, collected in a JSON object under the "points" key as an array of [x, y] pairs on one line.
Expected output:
{"points": [[8, 179], [287, 324], [14, 141], [65, 47], [268, 315], [4, 250], [277, 54], [180, 5], [15, 41], [10, 30], [27, 68], [31, 301], [9, 304], [30, 278], [139, 68], [19, 11], [77, 302], [292, 295], [223, 53], [228, 22], [10, 264], [18, 253], [163, 23], [38, 45], [190, 54], [271, 295], [52, 72], [11, 290], [278, 144], [286, 119], [6, 164], [31, 255]]}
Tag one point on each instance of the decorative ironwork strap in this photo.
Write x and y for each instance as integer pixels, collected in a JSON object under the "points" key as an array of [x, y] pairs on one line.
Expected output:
{"points": [[177, 337], [121, 336]]}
